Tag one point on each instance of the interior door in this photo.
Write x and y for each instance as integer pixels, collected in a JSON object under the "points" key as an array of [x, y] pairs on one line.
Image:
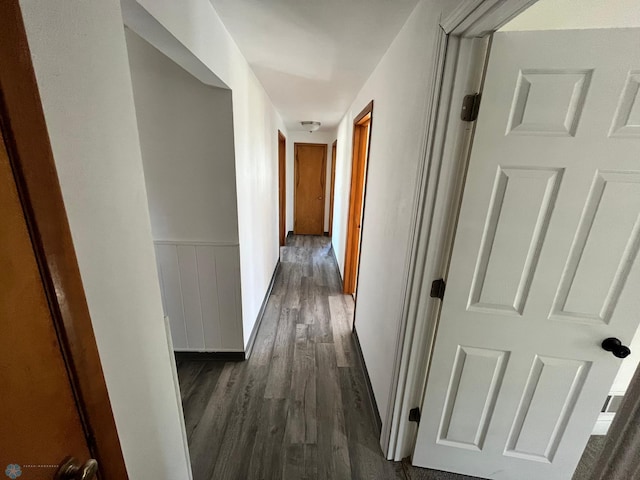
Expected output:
{"points": [[282, 188], [310, 180], [39, 420], [359, 166], [334, 149], [544, 263]]}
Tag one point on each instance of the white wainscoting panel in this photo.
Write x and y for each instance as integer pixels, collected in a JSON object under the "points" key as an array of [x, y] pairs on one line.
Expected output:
{"points": [[200, 285]]}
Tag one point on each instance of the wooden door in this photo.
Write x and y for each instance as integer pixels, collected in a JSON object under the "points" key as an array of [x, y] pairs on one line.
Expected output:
{"points": [[282, 188], [310, 180], [359, 164], [40, 422], [52, 391], [544, 266]]}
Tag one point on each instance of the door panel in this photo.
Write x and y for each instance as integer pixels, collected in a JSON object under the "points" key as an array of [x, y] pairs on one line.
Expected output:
{"points": [[612, 205], [522, 201], [475, 381], [544, 265], [546, 405], [40, 422], [627, 120], [310, 178]]}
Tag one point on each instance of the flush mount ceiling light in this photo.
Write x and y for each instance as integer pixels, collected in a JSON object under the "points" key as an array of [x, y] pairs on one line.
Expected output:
{"points": [[310, 126]]}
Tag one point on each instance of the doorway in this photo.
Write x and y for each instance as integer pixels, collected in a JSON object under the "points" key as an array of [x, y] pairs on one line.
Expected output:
{"points": [[543, 246], [49, 356], [282, 188], [310, 173], [35, 368], [334, 149], [359, 164]]}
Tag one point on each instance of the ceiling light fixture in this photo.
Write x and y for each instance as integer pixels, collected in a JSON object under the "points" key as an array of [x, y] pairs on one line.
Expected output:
{"points": [[310, 126]]}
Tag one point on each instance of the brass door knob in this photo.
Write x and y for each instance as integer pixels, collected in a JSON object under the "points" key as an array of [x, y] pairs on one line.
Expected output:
{"points": [[71, 469]]}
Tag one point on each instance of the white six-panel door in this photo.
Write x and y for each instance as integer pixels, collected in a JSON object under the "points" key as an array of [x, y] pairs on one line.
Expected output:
{"points": [[544, 263]]}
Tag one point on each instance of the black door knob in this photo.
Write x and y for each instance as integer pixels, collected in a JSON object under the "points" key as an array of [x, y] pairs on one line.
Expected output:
{"points": [[616, 347]]}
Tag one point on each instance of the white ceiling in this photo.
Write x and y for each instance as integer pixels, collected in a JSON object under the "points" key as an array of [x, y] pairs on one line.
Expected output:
{"points": [[577, 14], [312, 57]]}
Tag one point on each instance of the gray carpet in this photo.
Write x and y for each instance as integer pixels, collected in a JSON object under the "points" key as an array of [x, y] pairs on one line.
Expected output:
{"points": [[588, 460], [415, 473], [589, 457]]}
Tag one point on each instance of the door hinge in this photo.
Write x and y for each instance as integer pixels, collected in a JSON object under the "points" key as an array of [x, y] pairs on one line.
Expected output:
{"points": [[414, 415], [437, 288], [470, 107]]}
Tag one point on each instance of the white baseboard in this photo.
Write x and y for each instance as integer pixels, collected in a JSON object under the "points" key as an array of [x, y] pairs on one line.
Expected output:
{"points": [[602, 424]]}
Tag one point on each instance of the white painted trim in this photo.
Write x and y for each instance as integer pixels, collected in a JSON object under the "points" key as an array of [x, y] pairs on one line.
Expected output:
{"points": [[176, 382], [603, 423], [617, 393], [479, 18], [196, 243], [401, 384], [460, 14], [448, 144], [463, 74]]}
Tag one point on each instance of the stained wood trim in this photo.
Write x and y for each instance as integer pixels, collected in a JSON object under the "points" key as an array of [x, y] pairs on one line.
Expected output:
{"points": [[334, 149], [357, 196], [368, 110], [282, 187], [296, 173], [24, 130]]}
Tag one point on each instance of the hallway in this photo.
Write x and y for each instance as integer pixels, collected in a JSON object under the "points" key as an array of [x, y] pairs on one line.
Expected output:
{"points": [[299, 407]]}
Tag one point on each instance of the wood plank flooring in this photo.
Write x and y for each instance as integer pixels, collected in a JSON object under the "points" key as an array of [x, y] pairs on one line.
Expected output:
{"points": [[299, 408]]}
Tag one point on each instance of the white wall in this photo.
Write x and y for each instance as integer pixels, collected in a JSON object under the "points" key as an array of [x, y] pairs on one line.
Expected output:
{"points": [[186, 137], [80, 59], [200, 284], [399, 87], [325, 138], [196, 25], [577, 14]]}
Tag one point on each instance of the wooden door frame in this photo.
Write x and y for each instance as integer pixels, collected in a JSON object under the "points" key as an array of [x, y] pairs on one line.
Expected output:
{"points": [[24, 130], [282, 188], [334, 151], [357, 198], [295, 178]]}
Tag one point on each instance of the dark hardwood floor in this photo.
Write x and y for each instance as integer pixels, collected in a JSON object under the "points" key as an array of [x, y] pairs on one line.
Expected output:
{"points": [[299, 408]]}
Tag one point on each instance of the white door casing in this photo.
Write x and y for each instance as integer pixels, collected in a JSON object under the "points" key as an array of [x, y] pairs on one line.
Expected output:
{"points": [[544, 263]]}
